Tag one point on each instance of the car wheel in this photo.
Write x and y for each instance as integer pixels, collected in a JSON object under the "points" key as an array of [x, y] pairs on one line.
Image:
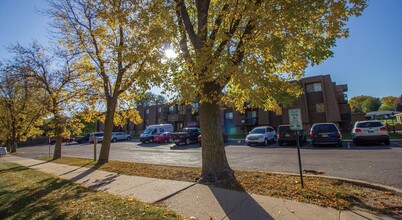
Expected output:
{"points": [[340, 144], [356, 142], [280, 143], [151, 140], [114, 140], [128, 138], [188, 141], [266, 142], [387, 142], [315, 145], [177, 143]]}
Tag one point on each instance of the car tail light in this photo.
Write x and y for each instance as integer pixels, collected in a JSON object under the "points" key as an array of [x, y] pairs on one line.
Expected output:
{"points": [[311, 134], [278, 135], [181, 136], [383, 129], [357, 130], [339, 134]]}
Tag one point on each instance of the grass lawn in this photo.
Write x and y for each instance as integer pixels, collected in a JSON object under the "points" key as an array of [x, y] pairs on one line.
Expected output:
{"points": [[30, 194], [319, 191]]}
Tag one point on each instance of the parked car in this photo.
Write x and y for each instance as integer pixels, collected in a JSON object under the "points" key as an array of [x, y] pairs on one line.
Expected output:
{"points": [[186, 136], [325, 133], [285, 135], [224, 136], [261, 135], [163, 137], [82, 139], [369, 131], [153, 131], [120, 136], [63, 140], [99, 137]]}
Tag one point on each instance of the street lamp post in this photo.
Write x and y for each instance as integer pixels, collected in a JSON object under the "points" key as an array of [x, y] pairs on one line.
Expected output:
{"points": [[244, 130]]}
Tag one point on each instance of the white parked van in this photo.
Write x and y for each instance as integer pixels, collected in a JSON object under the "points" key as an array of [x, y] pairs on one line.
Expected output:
{"points": [[154, 130]]}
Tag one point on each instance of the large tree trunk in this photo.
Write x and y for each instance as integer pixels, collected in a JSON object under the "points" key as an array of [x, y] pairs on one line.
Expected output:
{"points": [[107, 135], [13, 146], [8, 145], [58, 130], [57, 147], [215, 167]]}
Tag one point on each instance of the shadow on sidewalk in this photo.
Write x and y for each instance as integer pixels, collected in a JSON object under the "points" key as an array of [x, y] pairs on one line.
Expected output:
{"points": [[238, 204]]}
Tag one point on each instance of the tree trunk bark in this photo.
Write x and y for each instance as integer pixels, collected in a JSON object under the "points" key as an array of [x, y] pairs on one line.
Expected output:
{"points": [[58, 130], [107, 133], [13, 146], [8, 145], [57, 146], [215, 167]]}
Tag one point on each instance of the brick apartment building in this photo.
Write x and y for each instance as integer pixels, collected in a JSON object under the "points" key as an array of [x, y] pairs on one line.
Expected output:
{"points": [[322, 101]]}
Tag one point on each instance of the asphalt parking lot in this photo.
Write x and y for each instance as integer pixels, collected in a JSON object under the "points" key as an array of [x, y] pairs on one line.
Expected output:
{"points": [[373, 162]]}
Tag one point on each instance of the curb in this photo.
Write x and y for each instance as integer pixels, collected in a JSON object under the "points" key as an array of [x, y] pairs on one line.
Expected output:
{"points": [[376, 186]]}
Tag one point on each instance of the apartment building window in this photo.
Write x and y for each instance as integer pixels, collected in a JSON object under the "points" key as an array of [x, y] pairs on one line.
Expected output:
{"points": [[251, 117], [195, 106], [159, 109], [313, 87], [320, 107], [147, 111], [229, 115], [158, 121], [171, 110], [182, 109]]}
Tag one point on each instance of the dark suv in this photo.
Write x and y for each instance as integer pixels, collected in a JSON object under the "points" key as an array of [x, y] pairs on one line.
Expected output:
{"points": [[285, 135], [325, 133]]}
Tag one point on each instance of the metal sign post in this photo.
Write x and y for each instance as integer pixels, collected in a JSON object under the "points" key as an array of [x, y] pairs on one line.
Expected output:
{"points": [[49, 146], [95, 147], [295, 122]]}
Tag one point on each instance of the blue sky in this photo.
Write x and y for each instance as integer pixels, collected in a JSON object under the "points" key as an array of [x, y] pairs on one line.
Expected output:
{"points": [[369, 61]]}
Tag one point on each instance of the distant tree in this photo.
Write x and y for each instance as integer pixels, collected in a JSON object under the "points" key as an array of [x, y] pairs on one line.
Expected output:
{"points": [[55, 74], [150, 98], [121, 43], [364, 104], [233, 52], [399, 104], [22, 107], [389, 103]]}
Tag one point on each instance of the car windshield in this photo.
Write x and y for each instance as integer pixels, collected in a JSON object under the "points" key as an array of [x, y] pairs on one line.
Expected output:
{"points": [[99, 134], [257, 131], [284, 128], [148, 130], [325, 128], [369, 124]]}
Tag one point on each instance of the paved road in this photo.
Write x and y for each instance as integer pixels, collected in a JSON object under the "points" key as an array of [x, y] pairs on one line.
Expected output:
{"points": [[372, 163]]}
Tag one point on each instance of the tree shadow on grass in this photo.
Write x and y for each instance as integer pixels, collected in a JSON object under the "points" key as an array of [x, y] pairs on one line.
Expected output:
{"points": [[38, 199]]}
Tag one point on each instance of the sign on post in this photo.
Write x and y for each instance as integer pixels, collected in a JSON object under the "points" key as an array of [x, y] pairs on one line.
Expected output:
{"points": [[295, 122], [295, 119]]}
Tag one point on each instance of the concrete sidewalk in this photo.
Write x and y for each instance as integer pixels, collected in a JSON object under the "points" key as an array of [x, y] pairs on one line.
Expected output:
{"points": [[190, 199]]}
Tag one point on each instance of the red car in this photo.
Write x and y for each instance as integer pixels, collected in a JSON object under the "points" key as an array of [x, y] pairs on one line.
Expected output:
{"points": [[225, 138], [163, 137], [63, 140]]}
